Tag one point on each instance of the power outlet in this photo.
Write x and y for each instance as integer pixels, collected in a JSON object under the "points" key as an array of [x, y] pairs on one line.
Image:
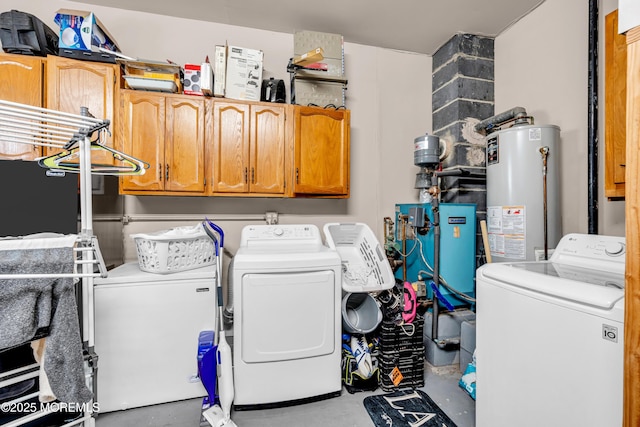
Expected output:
{"points": [[271, 218], [539, 254], [410, 233], [420, 287]]}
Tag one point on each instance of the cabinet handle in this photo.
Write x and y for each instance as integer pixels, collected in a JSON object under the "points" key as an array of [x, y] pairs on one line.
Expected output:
{"points": [[297, 176], [166, 172], [246, 178], [253, 176], [160, 171]]}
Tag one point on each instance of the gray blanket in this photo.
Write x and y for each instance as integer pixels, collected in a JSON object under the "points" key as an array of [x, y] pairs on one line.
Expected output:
{"points": [[27, 305]]}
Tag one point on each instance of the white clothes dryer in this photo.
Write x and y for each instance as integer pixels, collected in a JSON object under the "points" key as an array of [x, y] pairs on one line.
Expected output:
{"points": [[549, 337], [287, 319]]}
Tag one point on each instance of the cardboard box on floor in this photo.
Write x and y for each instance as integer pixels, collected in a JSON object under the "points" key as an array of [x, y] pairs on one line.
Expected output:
{"points": [[244, 73]]}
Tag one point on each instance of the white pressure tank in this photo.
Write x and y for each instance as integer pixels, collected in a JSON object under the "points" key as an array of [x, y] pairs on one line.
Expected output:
{"points": [[523, 192]]}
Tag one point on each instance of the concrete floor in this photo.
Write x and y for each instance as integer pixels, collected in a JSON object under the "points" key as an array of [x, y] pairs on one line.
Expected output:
{"points": [[346, 410]]}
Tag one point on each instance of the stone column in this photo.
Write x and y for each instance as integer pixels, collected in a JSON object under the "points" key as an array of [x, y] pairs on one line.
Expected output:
{"points": [[463, 94]]}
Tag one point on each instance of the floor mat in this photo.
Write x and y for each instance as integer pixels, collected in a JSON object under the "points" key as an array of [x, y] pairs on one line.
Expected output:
{"points": [[406, 408]]}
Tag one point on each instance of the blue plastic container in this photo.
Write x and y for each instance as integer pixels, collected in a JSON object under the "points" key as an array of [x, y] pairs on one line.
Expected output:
{"points": [[207, 367]]}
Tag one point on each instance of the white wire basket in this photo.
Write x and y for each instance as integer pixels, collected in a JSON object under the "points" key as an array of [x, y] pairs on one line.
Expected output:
{"points": [[174, 250], [365, 267]]}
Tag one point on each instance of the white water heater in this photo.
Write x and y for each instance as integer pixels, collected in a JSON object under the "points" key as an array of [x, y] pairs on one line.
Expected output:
{"points": [[523, 192]]}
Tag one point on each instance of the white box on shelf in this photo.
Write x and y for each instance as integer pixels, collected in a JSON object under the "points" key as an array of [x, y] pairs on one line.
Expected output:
{"points": [[206, 75], [244, 73], [219, 70]]}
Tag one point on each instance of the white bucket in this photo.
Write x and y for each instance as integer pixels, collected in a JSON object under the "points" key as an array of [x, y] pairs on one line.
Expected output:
{"points": [[360, 313]]}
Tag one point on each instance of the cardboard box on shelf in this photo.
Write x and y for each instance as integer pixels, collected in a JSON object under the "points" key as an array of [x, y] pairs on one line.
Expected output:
{"points": [[206, 75], [83, 30], [219, 70], [192, 79], [244, 73], [152, 70], [309, 58]]}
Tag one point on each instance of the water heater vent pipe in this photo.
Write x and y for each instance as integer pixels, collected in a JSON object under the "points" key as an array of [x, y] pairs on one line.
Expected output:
{"points": [[518, 114]]}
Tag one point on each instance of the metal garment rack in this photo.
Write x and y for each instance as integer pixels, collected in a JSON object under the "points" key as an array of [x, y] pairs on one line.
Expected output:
{"points": [[26, 124]]}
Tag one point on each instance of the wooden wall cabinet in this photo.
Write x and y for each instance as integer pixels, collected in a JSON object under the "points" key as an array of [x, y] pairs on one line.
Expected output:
{"points": [[248, 149], [167, 132], [23, 81], [321, 153], [615, 97], [242, 148], [632, 230], [72, 84], [60, 84]]}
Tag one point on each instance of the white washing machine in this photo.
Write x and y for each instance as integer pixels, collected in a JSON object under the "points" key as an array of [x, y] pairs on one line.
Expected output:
{"points": [[287, 319], [146, 334], [549, 337]]}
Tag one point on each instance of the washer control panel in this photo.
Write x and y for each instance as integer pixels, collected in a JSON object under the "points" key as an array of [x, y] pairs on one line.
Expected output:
{"points": [[591, 251]]}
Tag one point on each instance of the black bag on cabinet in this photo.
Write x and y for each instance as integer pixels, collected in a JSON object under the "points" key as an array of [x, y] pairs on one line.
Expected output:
{"points": [[25, 34]]}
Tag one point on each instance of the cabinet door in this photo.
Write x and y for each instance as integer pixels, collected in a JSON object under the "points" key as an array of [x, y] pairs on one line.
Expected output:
{"points": [[72, 84], [230, 157], [615, 97], [143, 136], [321, 152], [267, 153], [23, 82], [184, 146], [631, 399]]}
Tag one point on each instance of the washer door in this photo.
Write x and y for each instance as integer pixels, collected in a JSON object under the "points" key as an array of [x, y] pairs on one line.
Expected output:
{"points": [[288, 316]]}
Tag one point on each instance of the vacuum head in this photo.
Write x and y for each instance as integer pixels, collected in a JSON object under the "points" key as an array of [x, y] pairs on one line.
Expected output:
{"points": [[215, 416]]}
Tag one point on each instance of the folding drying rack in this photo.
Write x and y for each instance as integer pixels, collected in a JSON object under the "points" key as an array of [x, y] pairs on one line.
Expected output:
{"points": [[26, 124]]}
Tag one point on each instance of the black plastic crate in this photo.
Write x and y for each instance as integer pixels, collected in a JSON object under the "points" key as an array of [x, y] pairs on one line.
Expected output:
{"points": [[411, 368], [401, 353], [400, 337]]}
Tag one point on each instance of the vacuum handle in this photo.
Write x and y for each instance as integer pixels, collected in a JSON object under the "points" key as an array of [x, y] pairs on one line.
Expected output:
{"points": [[218, 230], [212, 237]]}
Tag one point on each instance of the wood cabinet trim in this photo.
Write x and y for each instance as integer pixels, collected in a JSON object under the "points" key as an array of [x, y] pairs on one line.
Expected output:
{"points": [[632, 228], [615, 108]]}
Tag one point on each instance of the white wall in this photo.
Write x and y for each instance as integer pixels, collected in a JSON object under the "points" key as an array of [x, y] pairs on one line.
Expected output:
{"points": [[389, 95], [541, 65], [629, 16]]}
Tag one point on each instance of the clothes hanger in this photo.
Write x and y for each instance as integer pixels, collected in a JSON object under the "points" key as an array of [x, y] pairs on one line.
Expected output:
{"points": [[64, 161]]}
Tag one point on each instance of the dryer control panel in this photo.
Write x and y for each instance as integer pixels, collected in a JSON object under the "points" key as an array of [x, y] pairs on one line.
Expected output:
{"points": [[281, 234], [592, 251]]}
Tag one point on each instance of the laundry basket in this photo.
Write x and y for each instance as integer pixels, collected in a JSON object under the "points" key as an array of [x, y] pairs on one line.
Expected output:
{"points": [[365, 267], [174, 250]]}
